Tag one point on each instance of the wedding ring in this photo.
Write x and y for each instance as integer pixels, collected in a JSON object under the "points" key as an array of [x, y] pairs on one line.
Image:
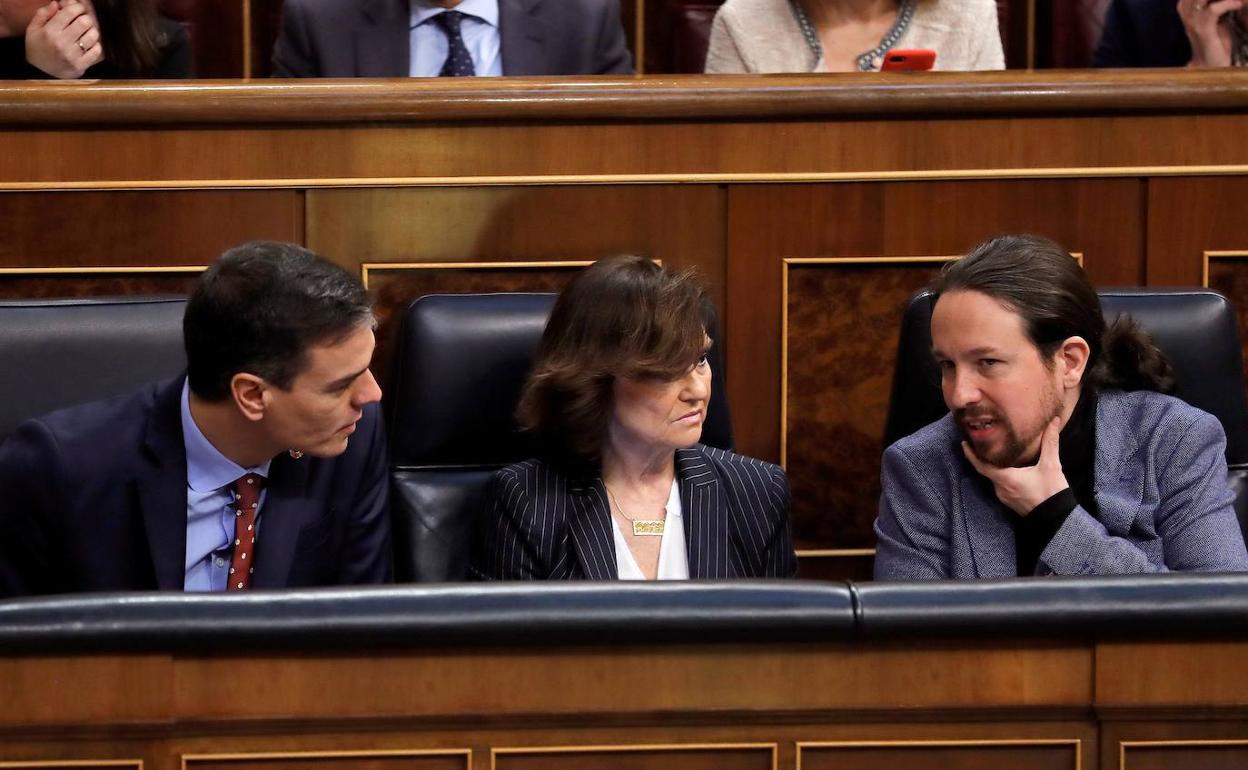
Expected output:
{"points": [[1200, 6], [82, 47]]}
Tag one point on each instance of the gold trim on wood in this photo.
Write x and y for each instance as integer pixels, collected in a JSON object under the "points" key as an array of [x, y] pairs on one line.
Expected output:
{"points": [[1077, 743], [244, 757], [1124, 745], [835, 553], [112, 270], [603, 749], [1075, 172], [784, 322], [369, 267], [73, 763], [1208, 256], [247, 33]]}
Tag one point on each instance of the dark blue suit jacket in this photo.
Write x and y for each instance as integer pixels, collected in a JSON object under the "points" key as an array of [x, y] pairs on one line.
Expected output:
{"points": [[371, 38], [93, 498], [547, 524], [1142, 33]]}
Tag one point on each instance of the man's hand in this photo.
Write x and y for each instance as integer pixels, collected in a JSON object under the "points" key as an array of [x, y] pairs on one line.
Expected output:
{"points": [[63, 40], [1022, 489], [1209, 36]]}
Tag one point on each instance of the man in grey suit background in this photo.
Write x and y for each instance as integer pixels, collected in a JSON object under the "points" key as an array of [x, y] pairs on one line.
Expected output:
{"points": [[1060, 454], [429, 38]]}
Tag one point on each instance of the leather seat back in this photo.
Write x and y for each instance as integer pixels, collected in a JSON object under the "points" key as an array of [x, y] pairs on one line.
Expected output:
{"points": [[60, 352], [462, 360], [1195, 328]]}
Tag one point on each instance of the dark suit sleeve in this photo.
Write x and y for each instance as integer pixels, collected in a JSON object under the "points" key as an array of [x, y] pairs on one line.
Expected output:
{"points": [[502, 549], [613, 57], [292, 53], [1117, 47], [29, 486], [366, 556]]}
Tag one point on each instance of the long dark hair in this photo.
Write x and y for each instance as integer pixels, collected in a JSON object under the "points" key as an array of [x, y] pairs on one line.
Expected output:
{"points": [[1040, 281], [130, 35]]}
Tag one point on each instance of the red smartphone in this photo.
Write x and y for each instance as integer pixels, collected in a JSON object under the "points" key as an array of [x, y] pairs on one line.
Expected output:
{"points": [[908, 60]]}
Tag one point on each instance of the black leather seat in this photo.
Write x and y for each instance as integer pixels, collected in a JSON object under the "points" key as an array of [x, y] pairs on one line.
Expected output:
{"points": [[61, 352], [1195, 328], [460, 364]]}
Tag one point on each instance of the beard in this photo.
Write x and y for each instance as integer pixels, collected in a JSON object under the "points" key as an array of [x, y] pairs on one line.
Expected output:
{"points": [[1015, 447]]}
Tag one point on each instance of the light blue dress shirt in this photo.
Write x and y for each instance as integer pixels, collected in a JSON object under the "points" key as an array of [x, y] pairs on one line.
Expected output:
{"points": [[209, 506], [479, 29]]}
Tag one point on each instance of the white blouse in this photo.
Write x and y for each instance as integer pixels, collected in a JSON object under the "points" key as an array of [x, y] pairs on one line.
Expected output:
{"points": [[673, 559]]}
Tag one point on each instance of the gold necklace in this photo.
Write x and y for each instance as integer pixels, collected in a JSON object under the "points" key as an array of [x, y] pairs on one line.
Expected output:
{"points": [[641, 527]]}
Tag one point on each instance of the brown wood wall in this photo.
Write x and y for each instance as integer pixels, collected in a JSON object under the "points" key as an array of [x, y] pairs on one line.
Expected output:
{"points": [[813, 207], [925, 705]]}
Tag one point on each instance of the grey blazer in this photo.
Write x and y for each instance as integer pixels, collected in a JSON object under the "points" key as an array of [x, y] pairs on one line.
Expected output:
{"points": [[544, 524], [1160, 484], [370, 38]]}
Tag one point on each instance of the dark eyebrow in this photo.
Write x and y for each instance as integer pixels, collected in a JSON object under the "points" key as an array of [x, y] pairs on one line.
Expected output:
{"points": [[343, 382]]}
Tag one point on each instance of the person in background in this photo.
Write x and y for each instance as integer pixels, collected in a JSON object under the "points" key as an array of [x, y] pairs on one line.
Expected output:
{"points": [[71, 39], [1060, 454], [619, 394], [1163, 33], [449, 38], [851, 35]]}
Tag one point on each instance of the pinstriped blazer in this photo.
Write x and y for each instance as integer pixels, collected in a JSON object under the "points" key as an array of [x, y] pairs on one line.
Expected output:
{"points": [[542, 523]]}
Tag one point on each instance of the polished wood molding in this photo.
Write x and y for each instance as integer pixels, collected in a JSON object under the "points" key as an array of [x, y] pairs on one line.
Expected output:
{"points": [[604, 98]]}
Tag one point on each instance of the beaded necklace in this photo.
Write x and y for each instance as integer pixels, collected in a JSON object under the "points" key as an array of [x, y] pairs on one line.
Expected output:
{"points": [[867, 61]]}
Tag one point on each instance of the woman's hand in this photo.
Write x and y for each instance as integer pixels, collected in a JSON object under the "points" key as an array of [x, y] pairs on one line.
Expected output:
{"points": [[63, 39], [1209, 35]]}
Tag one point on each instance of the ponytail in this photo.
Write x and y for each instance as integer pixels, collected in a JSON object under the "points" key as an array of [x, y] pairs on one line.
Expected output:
{"points": [[1130, 360]]}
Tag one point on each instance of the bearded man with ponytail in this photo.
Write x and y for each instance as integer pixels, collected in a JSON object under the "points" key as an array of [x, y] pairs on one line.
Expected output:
{"points": [[1061, 453]]}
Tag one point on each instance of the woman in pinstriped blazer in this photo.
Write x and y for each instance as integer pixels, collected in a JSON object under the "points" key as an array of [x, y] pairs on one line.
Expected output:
{"points": [[619, 394]]}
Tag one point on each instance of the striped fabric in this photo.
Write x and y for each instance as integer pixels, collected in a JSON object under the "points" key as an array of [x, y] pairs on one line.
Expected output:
{"points": [[542, 524]]}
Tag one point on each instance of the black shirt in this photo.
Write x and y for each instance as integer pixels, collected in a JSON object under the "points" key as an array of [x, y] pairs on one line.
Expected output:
{"points": [[174, 60], [1077, 450]]}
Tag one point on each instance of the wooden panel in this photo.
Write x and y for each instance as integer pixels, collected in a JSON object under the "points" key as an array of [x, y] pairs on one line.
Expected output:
{"points": [[766, 224], [811, 566], [80, 689], [687, 151], [681, 226], [554, 681], [1193, 755], [141, 228], [19, 286], [329, 760], [1228, 273], [637, 758], [1188, 216], [969, 755], [843, 321], [1177, 674]]}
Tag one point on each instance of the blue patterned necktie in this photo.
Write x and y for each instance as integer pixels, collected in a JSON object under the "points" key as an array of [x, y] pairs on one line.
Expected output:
{"points": [[458, 61]]}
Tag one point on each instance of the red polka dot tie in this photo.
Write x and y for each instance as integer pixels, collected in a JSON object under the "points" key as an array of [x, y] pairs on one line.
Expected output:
{"points": [[458, 61], [247, 504]]}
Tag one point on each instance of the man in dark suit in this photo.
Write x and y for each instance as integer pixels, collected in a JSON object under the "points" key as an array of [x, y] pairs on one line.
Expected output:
{"points": [[395, 38], [263, 467]]}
